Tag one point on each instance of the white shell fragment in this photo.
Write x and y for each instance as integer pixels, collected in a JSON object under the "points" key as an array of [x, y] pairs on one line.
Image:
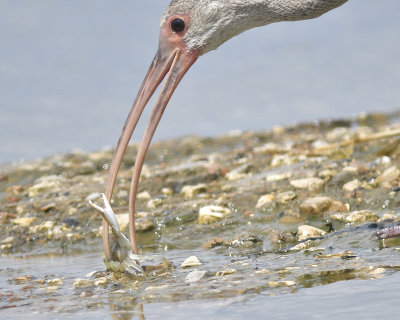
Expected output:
{"points": [[210, 214], [192, 261]]}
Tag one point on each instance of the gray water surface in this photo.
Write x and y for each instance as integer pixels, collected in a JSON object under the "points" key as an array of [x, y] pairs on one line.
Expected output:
{"points": [[69, 71]]}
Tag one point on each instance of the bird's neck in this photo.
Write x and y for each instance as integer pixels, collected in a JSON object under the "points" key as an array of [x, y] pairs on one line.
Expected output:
{"points": [[240, 15], [292, 10]]}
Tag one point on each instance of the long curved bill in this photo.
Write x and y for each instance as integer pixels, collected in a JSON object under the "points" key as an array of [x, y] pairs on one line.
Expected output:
{"points": [[171, 64]]}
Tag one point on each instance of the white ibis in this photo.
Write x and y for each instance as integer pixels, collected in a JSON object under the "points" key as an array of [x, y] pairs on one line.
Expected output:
{"points": [[189, 29]]}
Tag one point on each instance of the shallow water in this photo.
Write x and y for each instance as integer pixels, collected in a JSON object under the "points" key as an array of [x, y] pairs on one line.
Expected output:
{"points": [[69, 72], [329, 298]]}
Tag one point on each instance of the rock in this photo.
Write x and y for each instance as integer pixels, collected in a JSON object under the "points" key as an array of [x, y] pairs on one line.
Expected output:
{"points": [[192, 261], [191, 191], [144, 195], [195, 276], [308, 183], [327, 174], [285, 197], [225, 272], [239, 173], [15, 190], [54, 282], [101, 282], [284, 159], [291, 218], [43, 187], [71, 222], [82, 283], [281, 283], [389, 177], [338, 206], [316, 205], [154, 203], [210, 214], [7, 240], [123, 221], [343, 254], [306, 231], [387, 216], [351, 185], [144, 225], [271, 148], [212, 243], [338, 134], [47, 206], [167, 191], [279, 176], [265, 199], [356, 216], [24, 222]]}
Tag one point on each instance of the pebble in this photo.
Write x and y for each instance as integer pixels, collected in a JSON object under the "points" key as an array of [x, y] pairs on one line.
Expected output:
{"points": [[123, 221], [327, 174], [356, 216], [191, 191], [239, 172], [279, 176], [144, 195], [388, 177], [291, 218], [316, 205], [210, 214], [82, 283], [351, 185], [144, 225], [387, 216], [275, 284], [54, 282], [101, 282], [7, 240], [284, 159], [154, 203], [195, 276], [225, 272], [308, 183], [25, 221], [167, 191], [265, 199], [285, 197], [212, 243], [338, 134], [43, 187], [192, 261], [305, 231], [342, 254]]}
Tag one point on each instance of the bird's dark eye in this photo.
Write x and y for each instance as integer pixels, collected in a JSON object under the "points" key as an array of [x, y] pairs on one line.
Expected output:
{"points": [[177, 25]]}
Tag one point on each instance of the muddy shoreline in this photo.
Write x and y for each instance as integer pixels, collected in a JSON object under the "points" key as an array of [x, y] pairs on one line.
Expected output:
{"points": [[245, 205]]}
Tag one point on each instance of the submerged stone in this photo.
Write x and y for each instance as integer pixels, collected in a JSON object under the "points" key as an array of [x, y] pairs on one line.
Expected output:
{"points": [[316, 205], [210, 214], [195, 276], [306, 231], [192, 261], [356, 216], [265, 199], [191, 191], [308, 183]]}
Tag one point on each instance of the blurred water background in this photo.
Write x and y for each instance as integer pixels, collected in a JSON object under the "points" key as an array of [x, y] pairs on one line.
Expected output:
{"points": [[69, 71]]}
